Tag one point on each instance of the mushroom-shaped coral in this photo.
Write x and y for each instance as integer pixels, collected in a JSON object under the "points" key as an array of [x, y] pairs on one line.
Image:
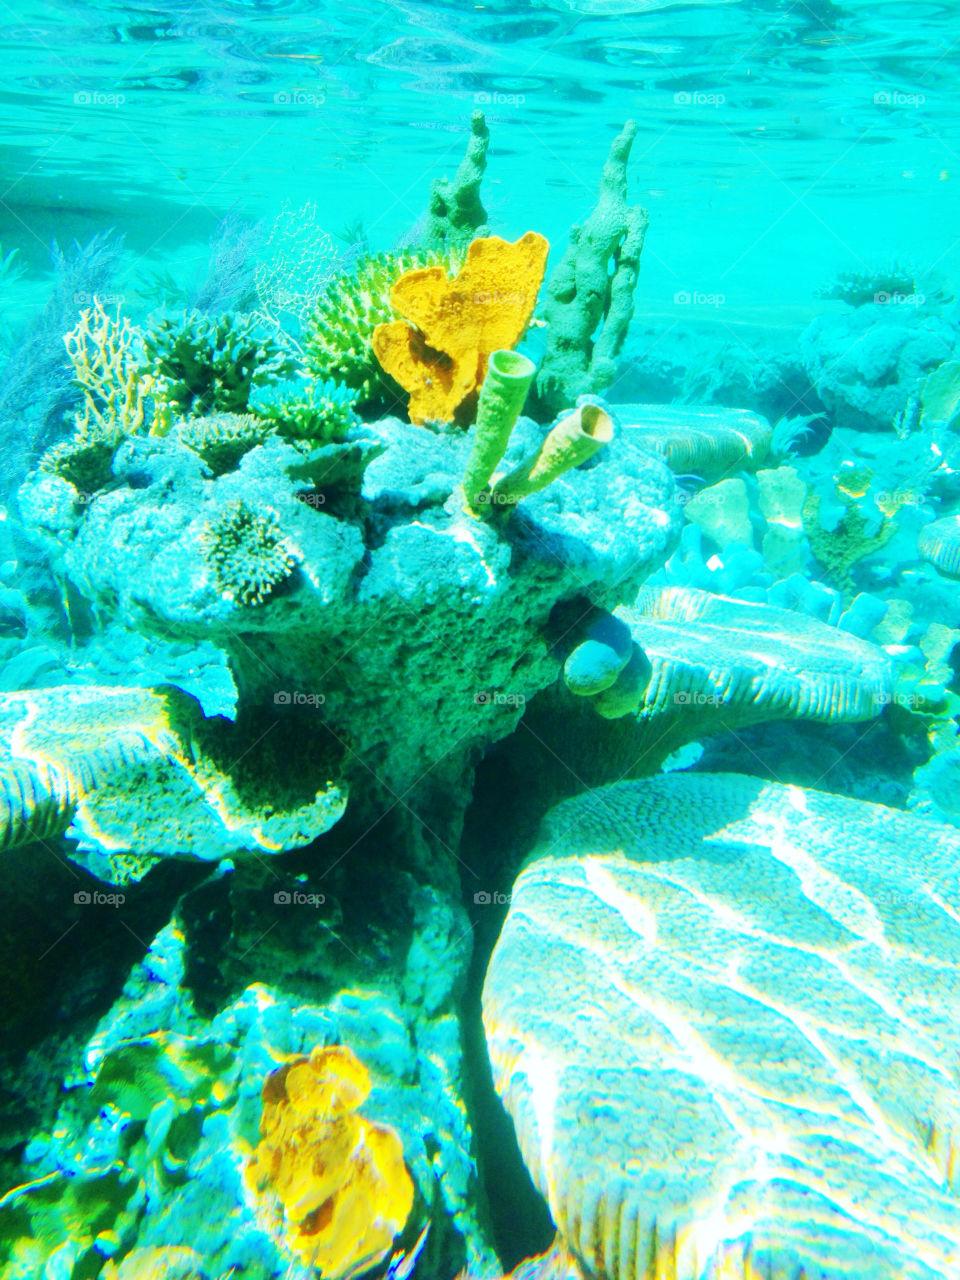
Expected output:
{"points": [[440, 357], [939, 542], [743, 1060], [707, 442], [141, 774], [333, 1183]]}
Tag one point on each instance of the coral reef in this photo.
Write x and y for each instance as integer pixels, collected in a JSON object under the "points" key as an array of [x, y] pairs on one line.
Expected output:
{"points": [[589, 300], [439, 351], [865, 363], [728, 959]]}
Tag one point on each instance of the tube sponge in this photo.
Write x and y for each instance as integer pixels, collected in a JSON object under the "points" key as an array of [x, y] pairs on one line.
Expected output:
{"points": [[572, 441], [342, 1186], [509, 375]]}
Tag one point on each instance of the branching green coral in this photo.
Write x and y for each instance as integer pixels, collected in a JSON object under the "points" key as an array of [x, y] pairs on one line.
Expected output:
{"points": [[222, 439], [247, 553], [211, 365], [320, 412], [337, 340]]}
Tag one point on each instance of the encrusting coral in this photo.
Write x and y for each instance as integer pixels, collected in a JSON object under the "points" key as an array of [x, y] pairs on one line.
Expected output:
{"points": [[440, 349], [333, 1183]]}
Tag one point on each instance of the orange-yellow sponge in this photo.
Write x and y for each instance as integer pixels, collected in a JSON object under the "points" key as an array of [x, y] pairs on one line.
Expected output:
{"points": [[440, 356], [334, 1183]]}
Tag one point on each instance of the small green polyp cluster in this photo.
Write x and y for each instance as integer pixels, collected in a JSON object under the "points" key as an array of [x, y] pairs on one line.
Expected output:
{"points": [[247, 554], [571, 442]]}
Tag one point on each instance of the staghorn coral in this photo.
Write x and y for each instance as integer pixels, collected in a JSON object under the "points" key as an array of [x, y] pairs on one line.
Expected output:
{"points": [[589, 303], [203, 365], [247, 554], [730, 962], [440, 350], [331, 1185], [222, 439]]}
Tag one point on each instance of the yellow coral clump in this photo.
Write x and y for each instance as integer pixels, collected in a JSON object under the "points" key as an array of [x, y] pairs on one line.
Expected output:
{"points": [[336, 1181], [439, 351]]}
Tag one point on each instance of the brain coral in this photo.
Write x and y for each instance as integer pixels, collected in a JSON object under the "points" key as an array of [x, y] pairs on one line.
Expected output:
{"points": [[725, 1018]]}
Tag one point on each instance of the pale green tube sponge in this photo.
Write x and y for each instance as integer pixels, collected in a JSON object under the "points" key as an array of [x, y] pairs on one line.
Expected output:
{"points": [[571, 442], [509, 375]]}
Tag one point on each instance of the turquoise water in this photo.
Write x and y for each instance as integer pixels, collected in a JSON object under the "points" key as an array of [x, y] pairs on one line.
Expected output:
{"points": [[479, 640], [777, 142]]}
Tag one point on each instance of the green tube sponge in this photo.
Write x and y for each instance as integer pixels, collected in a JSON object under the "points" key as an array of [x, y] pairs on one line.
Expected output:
{"points": [[504, 390], [572, 441]]}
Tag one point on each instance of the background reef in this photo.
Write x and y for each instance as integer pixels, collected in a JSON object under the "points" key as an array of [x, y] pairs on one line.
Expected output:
{"points": [[420, 668]]}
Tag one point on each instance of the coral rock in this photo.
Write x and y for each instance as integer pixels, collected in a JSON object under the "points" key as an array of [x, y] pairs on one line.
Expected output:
{"points": [[440, 357]]}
